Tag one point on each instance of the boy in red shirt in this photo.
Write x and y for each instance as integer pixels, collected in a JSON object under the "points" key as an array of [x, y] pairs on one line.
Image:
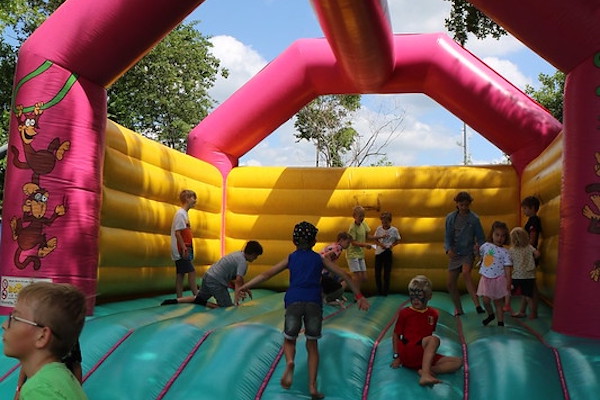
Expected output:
{"points": [[414, 345]]}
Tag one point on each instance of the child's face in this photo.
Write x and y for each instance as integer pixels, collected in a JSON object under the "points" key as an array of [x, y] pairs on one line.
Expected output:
{"points": [[418, 302], [345, 243], [359, 217], [385, 223], [463, 206], [19, 339], [499, 237], [250, 257], [191, 201], [528, 211]]}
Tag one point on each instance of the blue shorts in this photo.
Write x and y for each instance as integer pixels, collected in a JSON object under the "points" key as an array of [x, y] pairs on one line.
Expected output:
{"points": [[310, 313]]}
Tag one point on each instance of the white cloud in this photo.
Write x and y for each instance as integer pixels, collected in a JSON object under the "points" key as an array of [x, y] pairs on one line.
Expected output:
{"points": [[424, 16], [241, 60]]}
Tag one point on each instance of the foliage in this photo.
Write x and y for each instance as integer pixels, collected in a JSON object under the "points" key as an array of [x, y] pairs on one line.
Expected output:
{"points": [[326, 121], [166, 93], [465, 18], [551, 93]]}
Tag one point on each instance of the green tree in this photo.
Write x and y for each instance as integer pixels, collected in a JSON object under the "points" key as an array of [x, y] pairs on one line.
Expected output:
{"points": [[166, 93], [327, 122], [551, 94], [465, 18]]}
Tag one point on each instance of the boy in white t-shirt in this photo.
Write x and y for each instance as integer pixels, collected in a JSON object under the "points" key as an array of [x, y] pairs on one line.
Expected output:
{"points": [[383, 253], [182, 249]]}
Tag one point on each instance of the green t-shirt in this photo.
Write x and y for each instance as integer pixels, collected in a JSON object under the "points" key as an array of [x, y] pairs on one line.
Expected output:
{"points": [[359, 234], [52, 382]]}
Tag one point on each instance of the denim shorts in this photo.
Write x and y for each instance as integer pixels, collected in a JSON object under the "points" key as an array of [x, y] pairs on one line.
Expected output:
{"points": [[310, 313]]}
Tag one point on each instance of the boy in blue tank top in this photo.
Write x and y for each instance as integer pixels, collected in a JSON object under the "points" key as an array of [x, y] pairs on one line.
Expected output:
{"points": [[303, 301]]}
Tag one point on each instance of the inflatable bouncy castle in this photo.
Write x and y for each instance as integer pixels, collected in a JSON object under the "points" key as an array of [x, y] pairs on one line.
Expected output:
{"points": [[90, 202]]}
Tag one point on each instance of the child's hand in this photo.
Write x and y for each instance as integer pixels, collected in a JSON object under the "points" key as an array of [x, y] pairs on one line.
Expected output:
{"points": [[363, 304], [396, 363], [241, 294]]}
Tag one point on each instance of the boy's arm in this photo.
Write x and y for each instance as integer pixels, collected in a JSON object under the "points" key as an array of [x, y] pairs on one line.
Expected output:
{"points": [[362, 302], [244, 289], [181, 243], [396, 361]]}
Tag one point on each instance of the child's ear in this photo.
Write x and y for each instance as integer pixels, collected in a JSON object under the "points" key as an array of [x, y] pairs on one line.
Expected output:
{"points": [[43, 338]]}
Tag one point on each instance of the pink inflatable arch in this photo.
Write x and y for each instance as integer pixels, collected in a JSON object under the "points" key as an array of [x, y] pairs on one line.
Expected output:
{"points": [[60, 112]]}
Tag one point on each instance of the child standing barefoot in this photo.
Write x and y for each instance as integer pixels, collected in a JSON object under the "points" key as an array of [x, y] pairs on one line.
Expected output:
{"points": [[303, 301], [495, 272], [464, 235], [523, 275], [413, 341]]}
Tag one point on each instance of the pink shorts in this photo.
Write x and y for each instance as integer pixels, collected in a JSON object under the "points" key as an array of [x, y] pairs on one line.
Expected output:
{"points": [[494, 288]]}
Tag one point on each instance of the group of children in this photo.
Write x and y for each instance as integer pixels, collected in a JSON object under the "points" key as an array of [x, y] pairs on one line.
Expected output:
{"points": [[44, 327], [504, 270]]}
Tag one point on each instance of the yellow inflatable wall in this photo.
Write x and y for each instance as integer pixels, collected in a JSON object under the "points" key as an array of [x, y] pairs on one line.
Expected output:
{"points": [[264, 203], [541, 178], [142, 182]]}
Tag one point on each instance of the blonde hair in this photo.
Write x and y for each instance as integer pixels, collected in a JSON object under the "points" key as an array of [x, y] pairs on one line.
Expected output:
{"points": [[358, 210], [421, 282], [59, 306], [185, 195], [519, 237]]}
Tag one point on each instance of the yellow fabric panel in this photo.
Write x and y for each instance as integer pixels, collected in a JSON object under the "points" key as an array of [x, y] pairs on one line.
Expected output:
{"points": [[127, 248], [138, 147], [142, 182], [127, 211], [542, 178], [265, 203], [130, 175]]}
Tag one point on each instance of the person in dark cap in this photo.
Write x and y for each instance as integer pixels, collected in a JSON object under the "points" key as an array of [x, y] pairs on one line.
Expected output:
{"points": [[303, 300]]}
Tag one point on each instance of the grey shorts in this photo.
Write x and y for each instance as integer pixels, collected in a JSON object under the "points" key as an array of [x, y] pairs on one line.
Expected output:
{"points": [[310, 313], [213, 288], [357, 264], [456, 263]]}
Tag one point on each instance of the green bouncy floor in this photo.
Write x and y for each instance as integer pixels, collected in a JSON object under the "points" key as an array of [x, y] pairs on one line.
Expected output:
{"points": [[140, 350]]}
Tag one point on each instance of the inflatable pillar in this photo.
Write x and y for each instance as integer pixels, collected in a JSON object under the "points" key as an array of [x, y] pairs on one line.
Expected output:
{"points": [[578, 275]]}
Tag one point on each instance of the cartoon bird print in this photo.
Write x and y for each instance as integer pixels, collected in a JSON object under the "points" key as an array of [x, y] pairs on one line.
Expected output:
{"points": [[41, 162], [488, 258], [31, 235]]}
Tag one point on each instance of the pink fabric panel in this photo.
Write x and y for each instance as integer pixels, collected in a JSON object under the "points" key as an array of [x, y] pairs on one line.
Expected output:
{"points": [[268, 100], [102, 39], [74, 124], [432, 64], [437, 66], [577, 292], [565, 33]]}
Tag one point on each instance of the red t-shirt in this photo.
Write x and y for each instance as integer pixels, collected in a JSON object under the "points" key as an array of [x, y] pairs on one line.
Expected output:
{"points": [[411, 327]]}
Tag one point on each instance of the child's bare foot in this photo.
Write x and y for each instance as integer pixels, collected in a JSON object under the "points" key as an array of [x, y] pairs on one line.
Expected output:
{"points": [[317, 396], [288, 375], [427, 379]]}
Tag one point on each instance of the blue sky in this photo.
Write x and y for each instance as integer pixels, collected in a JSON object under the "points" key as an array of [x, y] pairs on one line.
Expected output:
{"points": [[247, 34]]}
